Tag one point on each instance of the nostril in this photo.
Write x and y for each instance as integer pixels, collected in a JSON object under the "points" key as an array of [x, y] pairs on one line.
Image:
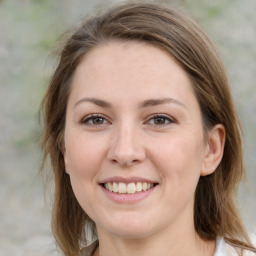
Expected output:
{"points": [[124, 162], [126, 151], [114, 161]]}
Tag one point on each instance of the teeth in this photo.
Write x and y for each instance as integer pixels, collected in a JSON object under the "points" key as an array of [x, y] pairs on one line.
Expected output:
{"points": [[110, 187], [115, 187], [144, 186], [139, 186], [130, 188], [121, 188]]}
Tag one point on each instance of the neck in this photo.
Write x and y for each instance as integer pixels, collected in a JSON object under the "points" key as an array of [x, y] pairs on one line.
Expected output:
{"points": [[181, 243]]}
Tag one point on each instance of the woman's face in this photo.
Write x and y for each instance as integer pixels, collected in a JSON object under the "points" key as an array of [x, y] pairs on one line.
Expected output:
{"points": [[134, 142]]}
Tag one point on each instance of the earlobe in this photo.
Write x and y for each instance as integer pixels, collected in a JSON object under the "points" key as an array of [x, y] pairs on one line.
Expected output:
{"points": [[63, 151], [65, 160], [214, 149], [62, 148]]}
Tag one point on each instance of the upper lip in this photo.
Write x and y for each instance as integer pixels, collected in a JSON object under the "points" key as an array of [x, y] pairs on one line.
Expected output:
{"points": [[126, 180]]}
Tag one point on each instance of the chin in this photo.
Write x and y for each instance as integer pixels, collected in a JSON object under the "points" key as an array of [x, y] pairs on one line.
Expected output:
{"points": [[130, 228], [130, 233]]}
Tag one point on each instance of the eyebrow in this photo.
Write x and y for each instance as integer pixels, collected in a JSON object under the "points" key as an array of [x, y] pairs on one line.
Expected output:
{"points": [[155, 102], [95, 101], [144, 104]]}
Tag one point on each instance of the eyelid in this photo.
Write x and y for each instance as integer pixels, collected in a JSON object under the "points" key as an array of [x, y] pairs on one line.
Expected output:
{"points": [[90, 117], [167, 117], [87, 118]]}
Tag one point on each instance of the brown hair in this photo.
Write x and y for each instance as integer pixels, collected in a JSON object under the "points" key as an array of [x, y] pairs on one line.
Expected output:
{"points": [[215, 211]]}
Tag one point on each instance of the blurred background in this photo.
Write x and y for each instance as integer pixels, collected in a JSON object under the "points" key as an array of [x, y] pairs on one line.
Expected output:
{"points": [[28, 31]]}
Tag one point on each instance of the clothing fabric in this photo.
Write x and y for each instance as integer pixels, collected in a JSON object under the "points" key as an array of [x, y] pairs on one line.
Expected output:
{"points": [[90, 249], [222, 249]]}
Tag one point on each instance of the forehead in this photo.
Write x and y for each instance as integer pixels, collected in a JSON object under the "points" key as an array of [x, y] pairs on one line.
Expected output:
{"points": [[130, 69], [125, 53]]}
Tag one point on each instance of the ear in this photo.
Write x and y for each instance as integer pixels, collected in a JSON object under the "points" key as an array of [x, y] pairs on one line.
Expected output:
{"points": [[214, 149], [62, 148], [64, 157]]}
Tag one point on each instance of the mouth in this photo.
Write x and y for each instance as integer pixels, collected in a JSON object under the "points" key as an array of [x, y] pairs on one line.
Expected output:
{"points": [[128, 188]]}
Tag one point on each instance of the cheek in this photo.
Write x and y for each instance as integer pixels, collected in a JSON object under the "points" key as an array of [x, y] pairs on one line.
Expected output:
{"points": [[83, 156], [179, 160]]}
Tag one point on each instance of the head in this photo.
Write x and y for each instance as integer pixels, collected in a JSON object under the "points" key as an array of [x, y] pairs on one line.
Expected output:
{"points": [[181, 39]]}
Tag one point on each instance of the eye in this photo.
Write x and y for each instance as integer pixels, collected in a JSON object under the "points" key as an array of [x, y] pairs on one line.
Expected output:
{"points": [[95, 119], [160, 120]]}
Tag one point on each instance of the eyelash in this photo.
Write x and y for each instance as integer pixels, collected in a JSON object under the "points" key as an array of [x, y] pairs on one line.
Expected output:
{"points": [[165, 117], [93, 117]]}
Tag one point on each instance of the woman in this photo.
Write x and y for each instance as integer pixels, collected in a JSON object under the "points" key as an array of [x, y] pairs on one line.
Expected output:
{"points": [[143, 138]]}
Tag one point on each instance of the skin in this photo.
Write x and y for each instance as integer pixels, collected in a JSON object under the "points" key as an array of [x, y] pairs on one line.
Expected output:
{"points": [[128, 140]]}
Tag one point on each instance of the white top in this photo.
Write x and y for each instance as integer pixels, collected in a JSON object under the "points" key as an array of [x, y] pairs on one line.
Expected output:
{"points": [[222, 249]]}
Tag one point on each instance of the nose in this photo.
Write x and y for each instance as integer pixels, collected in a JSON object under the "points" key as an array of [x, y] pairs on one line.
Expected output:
{"points": [[126, 147]]}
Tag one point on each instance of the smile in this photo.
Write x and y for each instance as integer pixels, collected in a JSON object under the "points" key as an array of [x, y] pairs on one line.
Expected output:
{"points": [[129, 188]]}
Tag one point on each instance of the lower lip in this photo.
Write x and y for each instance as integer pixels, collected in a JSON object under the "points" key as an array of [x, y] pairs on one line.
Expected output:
{"points": [[128, 198]]}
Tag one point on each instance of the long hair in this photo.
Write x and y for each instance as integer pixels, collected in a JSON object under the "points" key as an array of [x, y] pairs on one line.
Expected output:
{"points": [[215, 211]]}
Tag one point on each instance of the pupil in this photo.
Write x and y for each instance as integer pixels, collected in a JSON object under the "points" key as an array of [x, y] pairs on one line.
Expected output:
{"points": [[160, 120], [98, 120]]}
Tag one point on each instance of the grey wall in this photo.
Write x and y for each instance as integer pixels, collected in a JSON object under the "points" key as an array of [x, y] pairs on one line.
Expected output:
{"points": [[28, 30]]}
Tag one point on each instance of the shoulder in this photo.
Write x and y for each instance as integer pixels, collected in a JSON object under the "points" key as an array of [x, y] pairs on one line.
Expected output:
{"points": [[224, 249]]}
